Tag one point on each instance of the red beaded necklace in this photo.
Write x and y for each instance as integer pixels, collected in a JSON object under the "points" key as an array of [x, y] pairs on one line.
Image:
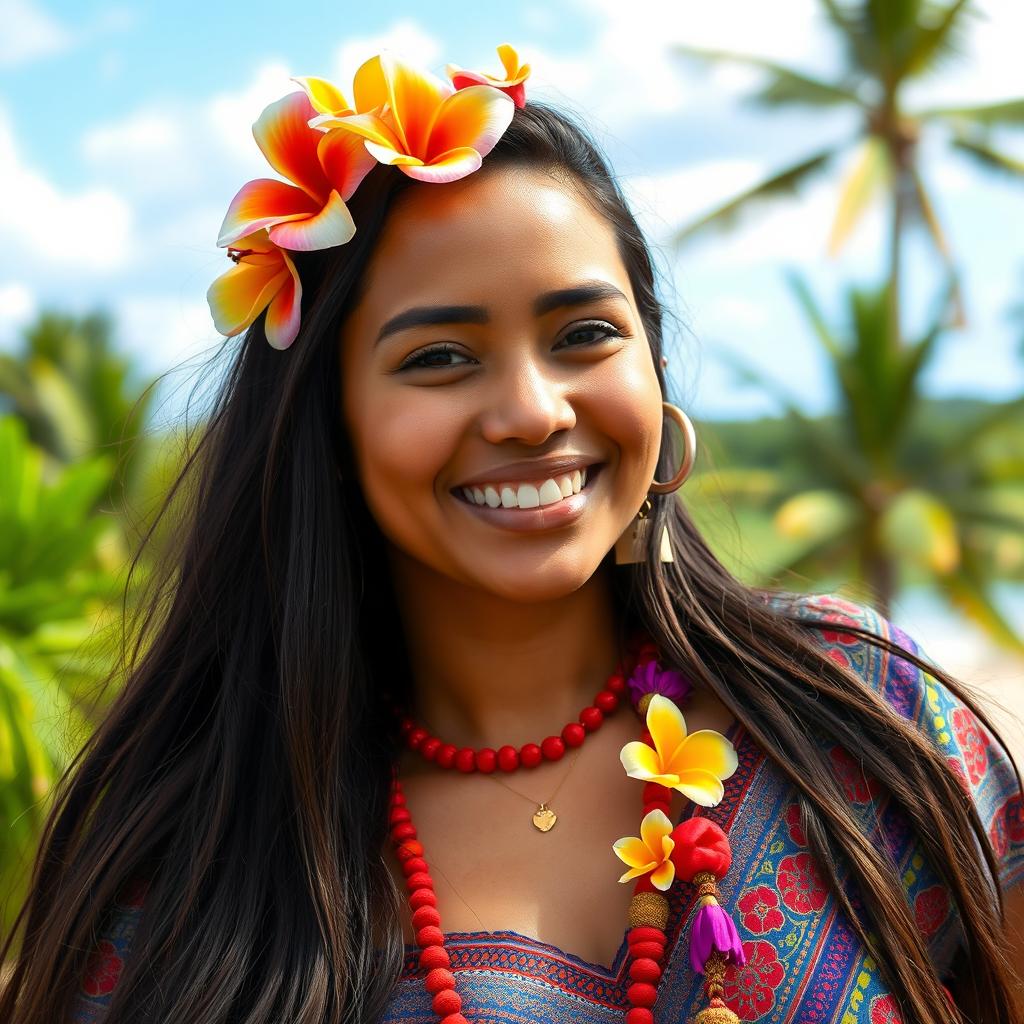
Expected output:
{"points": [[700, 854]]}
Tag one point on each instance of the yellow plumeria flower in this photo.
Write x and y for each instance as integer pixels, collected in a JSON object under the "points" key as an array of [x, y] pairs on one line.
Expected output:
{"points": [[651, 852], [695, 764]]}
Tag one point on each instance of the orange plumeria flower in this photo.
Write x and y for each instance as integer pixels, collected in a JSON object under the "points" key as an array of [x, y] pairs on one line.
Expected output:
{"points": [[694, 764], [263, 276], [651, 852], [324, 170], [419, 123], [515, 75]]}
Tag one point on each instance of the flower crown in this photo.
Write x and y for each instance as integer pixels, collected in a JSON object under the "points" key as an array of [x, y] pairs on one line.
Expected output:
{"points": [[431, 130]]}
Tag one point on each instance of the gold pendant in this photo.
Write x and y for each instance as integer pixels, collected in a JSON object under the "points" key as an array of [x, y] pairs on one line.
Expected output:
{"points": [[544, 818]]}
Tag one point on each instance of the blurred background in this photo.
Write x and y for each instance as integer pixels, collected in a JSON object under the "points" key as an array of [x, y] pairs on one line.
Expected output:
{"points": [[835, 193]]}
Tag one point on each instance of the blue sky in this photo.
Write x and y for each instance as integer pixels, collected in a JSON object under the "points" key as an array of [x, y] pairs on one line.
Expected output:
{"points": [[125, 129]]}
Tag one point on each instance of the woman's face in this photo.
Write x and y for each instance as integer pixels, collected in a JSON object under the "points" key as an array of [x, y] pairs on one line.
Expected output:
{"points": [[505, 371]]}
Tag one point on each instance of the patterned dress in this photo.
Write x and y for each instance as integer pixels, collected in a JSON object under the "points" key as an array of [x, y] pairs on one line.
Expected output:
{"points": [[804, 963]]}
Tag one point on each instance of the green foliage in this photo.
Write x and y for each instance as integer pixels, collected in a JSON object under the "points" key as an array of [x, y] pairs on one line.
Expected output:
{"points": [[57, 589]]}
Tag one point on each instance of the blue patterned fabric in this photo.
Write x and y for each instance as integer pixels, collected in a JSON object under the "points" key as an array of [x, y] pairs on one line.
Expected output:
{"points": [[804, 962]]}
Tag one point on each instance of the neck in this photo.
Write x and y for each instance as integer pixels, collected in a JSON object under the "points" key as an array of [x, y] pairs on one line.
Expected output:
{"points": [[487, 671]]}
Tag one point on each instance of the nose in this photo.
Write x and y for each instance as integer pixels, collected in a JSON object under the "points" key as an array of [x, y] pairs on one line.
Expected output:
{"points": [[527, 405]]}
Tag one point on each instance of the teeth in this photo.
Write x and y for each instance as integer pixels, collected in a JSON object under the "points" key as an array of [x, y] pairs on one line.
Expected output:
{"points": [[527, 495]]}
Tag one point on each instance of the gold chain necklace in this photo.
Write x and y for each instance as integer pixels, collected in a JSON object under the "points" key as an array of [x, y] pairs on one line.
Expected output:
{"points": [[544, 817]]}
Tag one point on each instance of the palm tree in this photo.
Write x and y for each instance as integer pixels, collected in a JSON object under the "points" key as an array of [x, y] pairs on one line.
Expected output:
{"points": [[885, 45], [889, 496]]}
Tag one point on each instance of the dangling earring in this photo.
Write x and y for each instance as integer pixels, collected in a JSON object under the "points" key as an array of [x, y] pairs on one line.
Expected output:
{"points": [[631, 547]]}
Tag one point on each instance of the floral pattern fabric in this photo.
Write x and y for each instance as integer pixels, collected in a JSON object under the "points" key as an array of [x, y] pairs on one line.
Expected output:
{"points": [[804, 963]]}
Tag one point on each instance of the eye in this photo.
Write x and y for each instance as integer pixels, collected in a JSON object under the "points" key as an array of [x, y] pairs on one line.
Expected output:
{"points": [[419, 360]]}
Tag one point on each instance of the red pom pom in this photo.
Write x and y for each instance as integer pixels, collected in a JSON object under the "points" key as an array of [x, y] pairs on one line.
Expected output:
{"points": [[530, 755], [508, 759], [406, 724], [574, 734], [591, 718], [398, 798], [410, 848], [420, 880], [700, 846], [403, 830], [429, 935], [423, 916], [422, 898], [438, 980], [639, 1015], [642, 994], [606, 701], [656, 793], [433, 957], [616, 684], [553, 748], [446, 1002], [446, 755], [429, 747], [399, 814], [465, 760], [648, 951], [646, 933], [645, 969], [486, 760]]}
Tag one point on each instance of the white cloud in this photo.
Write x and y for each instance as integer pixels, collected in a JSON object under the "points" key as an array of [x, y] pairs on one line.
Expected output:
{"points": [[89, 230], [405, 38], [164, 330], [29, 32], [17, 306]]}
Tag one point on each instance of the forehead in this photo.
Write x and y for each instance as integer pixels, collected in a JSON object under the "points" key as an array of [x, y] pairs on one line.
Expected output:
{"points": [[498, 238]]}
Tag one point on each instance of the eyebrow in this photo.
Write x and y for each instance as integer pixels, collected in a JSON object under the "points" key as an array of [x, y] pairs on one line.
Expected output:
{"points": [[431, 316]]}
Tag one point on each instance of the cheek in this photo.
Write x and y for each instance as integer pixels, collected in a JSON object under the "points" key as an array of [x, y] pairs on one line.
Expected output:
{"points": [[401, 445]]}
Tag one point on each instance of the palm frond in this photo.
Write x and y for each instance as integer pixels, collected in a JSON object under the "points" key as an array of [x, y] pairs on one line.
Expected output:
{"points": [[966, 439], [785, 85], [780, 183], [990, 158], [1007, 112], [936, 44], [869, 172], [967, 592]]}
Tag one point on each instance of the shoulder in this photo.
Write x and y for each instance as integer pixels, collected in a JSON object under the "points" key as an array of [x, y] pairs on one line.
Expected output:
{"points": [[975, 753], [109, 953]]}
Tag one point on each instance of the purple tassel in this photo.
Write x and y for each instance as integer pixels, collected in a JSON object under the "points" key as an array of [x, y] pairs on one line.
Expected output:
{"points": [[650, 677], [713, 929]]}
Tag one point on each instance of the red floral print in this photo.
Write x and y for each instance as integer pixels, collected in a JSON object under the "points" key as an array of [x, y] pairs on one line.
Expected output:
{"points": [[1007, 825], [102, 970], [834, 637], [796, 830], [958, 769], [750, 990], [838, 657], [884, 1011], [860, 787], [973, 741], [799, 880], [931, 908], [760, 911]]}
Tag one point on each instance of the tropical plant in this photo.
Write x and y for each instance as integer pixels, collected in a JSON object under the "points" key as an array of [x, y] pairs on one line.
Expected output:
{"points": [[58, 590], [78, 396], [885, 44], [890, 496]]}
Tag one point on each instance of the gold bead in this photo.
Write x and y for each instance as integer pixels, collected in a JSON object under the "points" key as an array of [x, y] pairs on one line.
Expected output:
{"points": [[716, 1015], [648, 910], [643, 704]]}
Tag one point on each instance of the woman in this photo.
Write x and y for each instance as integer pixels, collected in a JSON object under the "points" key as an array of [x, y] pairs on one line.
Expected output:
{"points": [[374, 580]]}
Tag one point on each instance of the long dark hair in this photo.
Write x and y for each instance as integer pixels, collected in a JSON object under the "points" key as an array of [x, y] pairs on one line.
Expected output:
{"points": [[243, 766]]}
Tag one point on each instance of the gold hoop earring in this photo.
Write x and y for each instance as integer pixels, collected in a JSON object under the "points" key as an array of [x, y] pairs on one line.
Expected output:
{"points": [[631, 547]]}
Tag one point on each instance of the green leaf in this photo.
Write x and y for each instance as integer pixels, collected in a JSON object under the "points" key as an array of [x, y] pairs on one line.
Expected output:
{"points": [[782, 182], [1008, 112], [990, 158]]}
